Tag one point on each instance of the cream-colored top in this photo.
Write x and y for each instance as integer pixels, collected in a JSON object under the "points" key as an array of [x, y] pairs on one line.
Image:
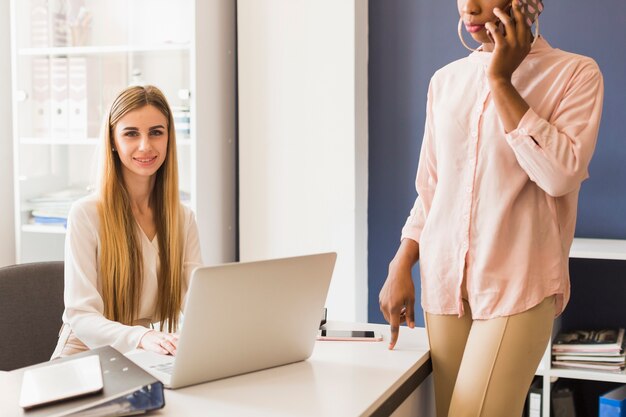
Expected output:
{"points": [[84, 306]]}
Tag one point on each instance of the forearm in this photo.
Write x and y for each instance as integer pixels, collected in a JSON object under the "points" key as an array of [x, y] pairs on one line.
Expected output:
{"points": [[510, 105], [407, 254], [95, 330]]}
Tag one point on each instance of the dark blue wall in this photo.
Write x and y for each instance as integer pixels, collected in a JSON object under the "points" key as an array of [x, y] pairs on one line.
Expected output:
{"points": [[409, 41]]}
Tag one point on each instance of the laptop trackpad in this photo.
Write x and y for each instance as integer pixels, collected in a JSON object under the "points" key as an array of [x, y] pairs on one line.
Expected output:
{"points": [[159, 366]]}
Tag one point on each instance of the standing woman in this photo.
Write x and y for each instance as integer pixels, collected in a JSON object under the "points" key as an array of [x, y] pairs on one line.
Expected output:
{"points": [[131, 247], [509, 134]]}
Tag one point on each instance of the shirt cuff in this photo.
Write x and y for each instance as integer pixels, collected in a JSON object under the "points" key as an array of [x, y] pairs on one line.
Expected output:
{"points": [[138, 334], [411, 232], [526, 130]]}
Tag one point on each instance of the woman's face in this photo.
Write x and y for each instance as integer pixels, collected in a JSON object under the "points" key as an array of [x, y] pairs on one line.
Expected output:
{"points": [[141, 138], [475, 13]]}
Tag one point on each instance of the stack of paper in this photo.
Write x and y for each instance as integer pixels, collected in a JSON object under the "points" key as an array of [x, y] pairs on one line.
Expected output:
{"points": [[53, 208], [590, 349]]}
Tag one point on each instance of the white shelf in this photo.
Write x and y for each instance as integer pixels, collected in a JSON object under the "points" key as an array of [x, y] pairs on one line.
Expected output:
{"points": [[598, 249], [58, 141], [98, 50], [587, 374], [42, 228], [185, 141]]}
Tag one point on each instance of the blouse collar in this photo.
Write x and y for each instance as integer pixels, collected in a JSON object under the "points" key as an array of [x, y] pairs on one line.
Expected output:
{"points": [[539, 47]]}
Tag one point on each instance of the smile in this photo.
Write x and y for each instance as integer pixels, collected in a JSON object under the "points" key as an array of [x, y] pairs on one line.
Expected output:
{"points": [[145, 161]]}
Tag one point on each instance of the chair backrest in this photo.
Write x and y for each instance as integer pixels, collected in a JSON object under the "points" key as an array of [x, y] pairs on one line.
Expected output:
{"points": [[31, 306]]}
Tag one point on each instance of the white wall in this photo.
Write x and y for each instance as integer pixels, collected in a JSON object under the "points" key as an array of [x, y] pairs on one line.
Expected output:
{"points": [[303, 138], [7, 228]]}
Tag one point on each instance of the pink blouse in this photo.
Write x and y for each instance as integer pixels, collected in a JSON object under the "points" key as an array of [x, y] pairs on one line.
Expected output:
{"points": [[501, 208]]}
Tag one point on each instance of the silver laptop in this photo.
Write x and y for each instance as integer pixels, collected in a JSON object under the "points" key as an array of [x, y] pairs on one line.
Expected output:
{"points": [[243, 317]]}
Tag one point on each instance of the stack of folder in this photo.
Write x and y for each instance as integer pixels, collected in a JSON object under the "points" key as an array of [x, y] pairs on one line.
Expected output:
{"points": [[126, 389]]}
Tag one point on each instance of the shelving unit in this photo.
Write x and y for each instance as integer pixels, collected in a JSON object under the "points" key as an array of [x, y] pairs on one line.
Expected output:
{"points": [[598, 249], [69, 60], [101, 50], [601, 249]]}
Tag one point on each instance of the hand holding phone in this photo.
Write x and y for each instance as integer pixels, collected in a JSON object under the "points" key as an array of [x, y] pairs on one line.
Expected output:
{"points": [[531, 9]]}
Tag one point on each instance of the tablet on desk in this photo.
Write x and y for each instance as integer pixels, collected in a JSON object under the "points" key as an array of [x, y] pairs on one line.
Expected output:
{"points": [[61, 381]]}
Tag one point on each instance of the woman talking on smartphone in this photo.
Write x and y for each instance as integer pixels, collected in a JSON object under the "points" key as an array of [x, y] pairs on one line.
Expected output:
{"points": [[510, 131], [131, 247]]}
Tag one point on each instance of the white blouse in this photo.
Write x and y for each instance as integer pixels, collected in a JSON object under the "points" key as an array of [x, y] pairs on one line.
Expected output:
{"points": [[84, 307]]}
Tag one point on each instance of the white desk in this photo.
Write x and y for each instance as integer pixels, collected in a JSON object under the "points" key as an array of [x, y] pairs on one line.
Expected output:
{"points": [[340, 379]]}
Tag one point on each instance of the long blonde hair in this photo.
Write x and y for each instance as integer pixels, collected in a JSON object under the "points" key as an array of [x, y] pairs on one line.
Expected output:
{"points": [[121, 266]]}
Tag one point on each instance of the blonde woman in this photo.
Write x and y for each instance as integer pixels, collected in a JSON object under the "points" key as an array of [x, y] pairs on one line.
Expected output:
{"points": [[130, 248]]}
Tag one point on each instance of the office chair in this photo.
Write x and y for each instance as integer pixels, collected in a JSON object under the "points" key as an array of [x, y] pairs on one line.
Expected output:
{"points": [[31, 305]]}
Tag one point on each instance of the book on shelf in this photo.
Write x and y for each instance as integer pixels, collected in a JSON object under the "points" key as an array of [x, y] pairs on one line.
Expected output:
{"points": [[590, 349], [620, 359], [589, 341], [599, 366]]}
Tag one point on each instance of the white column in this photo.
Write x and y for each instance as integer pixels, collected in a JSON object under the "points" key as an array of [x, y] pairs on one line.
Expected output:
{"points": [[214, 117], [303, 138], [7, 213]]}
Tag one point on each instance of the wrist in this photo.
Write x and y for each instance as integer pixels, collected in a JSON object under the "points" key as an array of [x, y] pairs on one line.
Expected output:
{"points": [[400, 262], [499, 81], [140, 345]]}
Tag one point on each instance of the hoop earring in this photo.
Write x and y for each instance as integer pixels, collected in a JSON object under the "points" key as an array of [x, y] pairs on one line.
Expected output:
{"points": [[536, 34], [460, 32]]}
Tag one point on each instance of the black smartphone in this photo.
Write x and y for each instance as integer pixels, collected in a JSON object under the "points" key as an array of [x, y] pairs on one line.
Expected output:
{"points": [[354, 335]]}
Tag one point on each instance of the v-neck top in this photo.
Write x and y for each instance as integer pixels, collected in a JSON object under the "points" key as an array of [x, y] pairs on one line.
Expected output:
{"points": [[84, 306], [500, 208]]}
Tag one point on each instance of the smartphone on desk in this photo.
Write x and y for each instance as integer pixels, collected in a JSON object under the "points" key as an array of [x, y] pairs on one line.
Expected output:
{"points": [[349, 335]]}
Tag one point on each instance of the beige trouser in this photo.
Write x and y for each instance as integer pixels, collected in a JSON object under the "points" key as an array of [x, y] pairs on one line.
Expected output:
{"points": [[483, 368]]}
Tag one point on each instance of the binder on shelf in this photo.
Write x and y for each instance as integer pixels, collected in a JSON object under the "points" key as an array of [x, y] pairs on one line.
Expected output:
{"points": [[613, 403], [40, 120], [77, 80], [563, 403], [39, 31], [535, 399], [182, 121], [127, 389], [60, 99]]}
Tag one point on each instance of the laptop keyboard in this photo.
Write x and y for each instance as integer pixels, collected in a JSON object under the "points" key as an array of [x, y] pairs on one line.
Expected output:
{"points": [[167, 368]]}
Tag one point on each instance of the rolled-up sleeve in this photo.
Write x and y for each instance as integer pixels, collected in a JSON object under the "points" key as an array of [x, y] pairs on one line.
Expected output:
{"points": [[426, 179], [556, 153]]}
